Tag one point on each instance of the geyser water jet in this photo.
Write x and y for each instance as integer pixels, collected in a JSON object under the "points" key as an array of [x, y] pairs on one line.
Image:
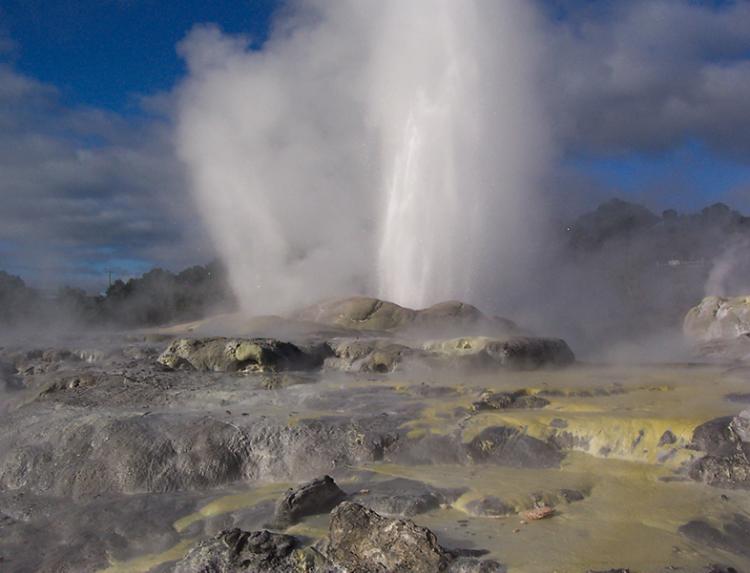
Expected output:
{"points": [[385, 148]]}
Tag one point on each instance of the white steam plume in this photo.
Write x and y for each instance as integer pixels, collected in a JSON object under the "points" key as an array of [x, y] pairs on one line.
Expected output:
{"points": [[389, 147]]}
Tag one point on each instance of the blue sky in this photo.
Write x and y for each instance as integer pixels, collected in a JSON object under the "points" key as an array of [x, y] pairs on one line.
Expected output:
{"points": [[650, 104], [103, 52]]}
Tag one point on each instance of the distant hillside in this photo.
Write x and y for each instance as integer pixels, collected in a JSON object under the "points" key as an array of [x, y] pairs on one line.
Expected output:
{"points": [[627, 271], [157, 297]]}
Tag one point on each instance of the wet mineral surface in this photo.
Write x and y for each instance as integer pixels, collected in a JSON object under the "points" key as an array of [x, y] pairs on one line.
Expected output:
{"points": [[144, 452]]}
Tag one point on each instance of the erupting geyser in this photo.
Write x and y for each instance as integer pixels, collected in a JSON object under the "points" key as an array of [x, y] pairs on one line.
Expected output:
{"points": [[389, 148]]}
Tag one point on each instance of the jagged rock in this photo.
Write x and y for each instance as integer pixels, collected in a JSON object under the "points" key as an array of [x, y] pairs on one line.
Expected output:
{"points": [[572, 495], [731, 535], [221, 354], [726, 442], [522, 353], [510, 447], [730, 471], [235, 551], [520, 399], [318, 496], [361, 540], [718, 318]]}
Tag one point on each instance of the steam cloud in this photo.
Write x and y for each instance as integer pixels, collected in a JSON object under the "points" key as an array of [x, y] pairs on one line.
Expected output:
{"points": [[391, 148]]}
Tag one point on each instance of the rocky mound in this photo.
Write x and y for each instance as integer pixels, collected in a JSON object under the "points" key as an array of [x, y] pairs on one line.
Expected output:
{"points": [[364, 354], [372, 314]]}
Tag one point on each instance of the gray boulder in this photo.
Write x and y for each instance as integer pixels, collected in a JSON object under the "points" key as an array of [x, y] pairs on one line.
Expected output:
{"points": [[726, 442], [318, 496], [362, 541]]}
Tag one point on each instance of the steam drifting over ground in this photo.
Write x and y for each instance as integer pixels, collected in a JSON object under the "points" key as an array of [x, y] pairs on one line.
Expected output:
{"points": [[383, 148]]}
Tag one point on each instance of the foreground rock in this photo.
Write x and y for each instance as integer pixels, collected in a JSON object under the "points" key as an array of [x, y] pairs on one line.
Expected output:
{"points": [[359, 541], [726, 442], [318, 496]]}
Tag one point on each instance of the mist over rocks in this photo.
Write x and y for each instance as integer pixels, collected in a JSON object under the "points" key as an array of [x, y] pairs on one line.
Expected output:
{"points": [[640, 272]]}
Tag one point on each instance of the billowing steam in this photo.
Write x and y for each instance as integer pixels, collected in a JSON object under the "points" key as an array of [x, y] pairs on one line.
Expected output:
{"points": [[388, 148], [730, 271]]}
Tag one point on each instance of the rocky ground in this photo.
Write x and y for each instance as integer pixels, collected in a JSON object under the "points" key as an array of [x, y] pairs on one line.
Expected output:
{"points": [[364, 437]]}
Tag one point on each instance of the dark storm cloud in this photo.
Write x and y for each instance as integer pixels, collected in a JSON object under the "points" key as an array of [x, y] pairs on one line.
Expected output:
{"points": [[646, 75], [82, 189]]}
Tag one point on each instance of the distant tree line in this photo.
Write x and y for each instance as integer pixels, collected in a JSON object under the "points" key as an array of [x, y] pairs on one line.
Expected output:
{"points": [[157, 297]]}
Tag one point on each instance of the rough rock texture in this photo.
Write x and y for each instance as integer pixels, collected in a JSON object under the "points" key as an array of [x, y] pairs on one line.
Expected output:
{"points": [[726, 442], [318, 496], [522, 353], [70, 453], [250, 552], [718, 318], [233, 354], [361, 541], [509, 447]]}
